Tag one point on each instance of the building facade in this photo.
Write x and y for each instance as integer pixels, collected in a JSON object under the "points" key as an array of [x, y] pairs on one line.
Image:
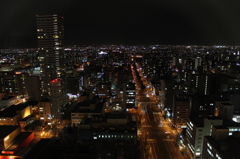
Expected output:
{"points": [[197, 128], [181, 112], [13, 83]]}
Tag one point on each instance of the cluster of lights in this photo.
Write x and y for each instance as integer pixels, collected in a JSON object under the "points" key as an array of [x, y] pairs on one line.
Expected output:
{"points": [[55, 80]]}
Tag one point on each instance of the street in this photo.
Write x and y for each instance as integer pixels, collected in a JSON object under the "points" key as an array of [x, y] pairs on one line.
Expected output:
{"points": [[157, 137]]}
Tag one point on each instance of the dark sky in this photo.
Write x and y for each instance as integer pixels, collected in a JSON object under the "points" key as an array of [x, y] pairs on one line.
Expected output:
{"points": [[187, 22]]}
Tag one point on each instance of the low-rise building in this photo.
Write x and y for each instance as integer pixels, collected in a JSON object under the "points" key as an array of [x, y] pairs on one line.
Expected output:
{"points": [[87, 108], [13, 114], [27, 121], [45, 112], [110, 126], [7, 101], [8, 135], [13, 142]]}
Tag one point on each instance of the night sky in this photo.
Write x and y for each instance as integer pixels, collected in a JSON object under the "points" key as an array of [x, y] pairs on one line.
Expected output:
{"points": [[127, 22]]}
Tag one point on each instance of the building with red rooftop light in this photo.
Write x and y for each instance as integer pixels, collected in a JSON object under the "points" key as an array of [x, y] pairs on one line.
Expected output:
{"points": [[50, 35]]}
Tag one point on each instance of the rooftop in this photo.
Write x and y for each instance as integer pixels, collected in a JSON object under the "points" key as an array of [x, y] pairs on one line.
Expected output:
{"points": [[84, 107], [28, 117], [8, 112], [116, 116], [49, 149], [232, 144], [10, 68], [226, 104], [220, 127], [7, 97], [18, 140], [231, 123], [7, 130], [11, 110]]}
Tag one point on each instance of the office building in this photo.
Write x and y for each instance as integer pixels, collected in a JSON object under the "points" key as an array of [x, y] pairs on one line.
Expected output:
{"points": [[200, 84], [181, 111], [197, 128]]}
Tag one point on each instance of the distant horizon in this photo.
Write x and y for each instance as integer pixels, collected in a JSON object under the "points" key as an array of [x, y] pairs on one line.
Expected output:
{"points": [[17, 44], [31, 42]]}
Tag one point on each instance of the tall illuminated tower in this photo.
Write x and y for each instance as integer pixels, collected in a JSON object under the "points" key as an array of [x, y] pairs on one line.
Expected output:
{"points": [[50, 34]]}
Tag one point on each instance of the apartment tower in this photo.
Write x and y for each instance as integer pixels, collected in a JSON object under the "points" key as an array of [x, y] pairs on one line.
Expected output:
{"points": [[50, 34]]}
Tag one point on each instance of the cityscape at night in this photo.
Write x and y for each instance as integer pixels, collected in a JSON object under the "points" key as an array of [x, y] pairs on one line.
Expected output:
{"points": [[119, 80]]}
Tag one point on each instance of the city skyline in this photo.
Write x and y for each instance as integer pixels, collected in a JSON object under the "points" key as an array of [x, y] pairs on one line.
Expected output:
{"points": [[153, 101], [123, 22]]}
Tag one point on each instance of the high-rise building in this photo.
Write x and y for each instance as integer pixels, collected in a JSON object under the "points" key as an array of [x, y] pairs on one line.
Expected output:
{"points": [[200, 84], [50, 34]]}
